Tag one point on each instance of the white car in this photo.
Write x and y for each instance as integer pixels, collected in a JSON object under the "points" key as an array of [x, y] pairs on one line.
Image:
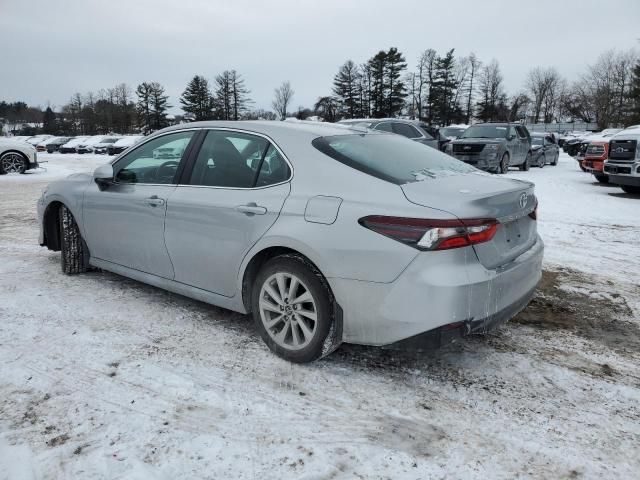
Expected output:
{"points": [[71, 145], [102, 146], [88, 145], [17, 156], [36, 139], [123, 144]]}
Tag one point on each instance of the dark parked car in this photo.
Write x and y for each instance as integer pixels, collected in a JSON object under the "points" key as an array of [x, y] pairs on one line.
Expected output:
{"points": [[493, 147], [413, 129], [55, 144], [544, 149]]}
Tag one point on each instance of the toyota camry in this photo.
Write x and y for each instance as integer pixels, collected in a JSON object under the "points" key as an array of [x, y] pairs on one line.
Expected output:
{"points": [[324, 233]]}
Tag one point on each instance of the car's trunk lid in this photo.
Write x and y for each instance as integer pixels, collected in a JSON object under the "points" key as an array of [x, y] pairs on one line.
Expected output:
{"points": [[480, 195]]}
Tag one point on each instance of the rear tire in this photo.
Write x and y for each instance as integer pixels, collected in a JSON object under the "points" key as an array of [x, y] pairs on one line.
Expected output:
{"points": [[633, 190], [73, 249], [277, 308]]}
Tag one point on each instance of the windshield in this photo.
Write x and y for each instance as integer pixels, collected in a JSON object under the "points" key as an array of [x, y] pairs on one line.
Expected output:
{"points": [[485, 131], [536, 140], [452, 131], [390, 157]]}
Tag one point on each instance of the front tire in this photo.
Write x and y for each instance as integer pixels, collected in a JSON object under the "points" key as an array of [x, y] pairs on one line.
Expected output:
{"points": [[602, 178], [13, 162], [632, 189], [555, 160], [524, 167], [73, 249], [542, 160], [504, 164], [293, 309]]}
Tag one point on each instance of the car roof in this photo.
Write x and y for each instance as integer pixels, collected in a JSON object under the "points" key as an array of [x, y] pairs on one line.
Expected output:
{"points": [[273, 128]]}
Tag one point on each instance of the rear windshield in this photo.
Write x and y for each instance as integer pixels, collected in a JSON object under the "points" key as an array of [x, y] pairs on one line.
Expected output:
{"points": [[390, 157], [485, 131]]}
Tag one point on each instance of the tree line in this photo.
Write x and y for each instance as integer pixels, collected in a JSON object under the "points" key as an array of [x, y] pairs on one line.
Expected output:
{"points": [[440, 89]]}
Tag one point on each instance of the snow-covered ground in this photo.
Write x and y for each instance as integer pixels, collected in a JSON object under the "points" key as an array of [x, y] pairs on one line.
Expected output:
{"points": [[104, 377]]}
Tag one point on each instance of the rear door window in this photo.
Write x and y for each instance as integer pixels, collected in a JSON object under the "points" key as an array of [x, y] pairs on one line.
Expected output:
{"points": [[405, 130], [384, 126]]}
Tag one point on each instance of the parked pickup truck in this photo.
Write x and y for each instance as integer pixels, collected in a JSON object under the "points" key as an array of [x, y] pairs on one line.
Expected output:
{"points": [[623, 164], [493, 147]]}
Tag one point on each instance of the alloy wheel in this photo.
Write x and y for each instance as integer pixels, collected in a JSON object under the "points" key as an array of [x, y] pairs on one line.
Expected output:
{"points": [[13, 163], [288, 311]]}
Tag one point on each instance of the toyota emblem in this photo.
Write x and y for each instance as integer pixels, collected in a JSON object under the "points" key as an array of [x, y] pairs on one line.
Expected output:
{"points": [[523, 200]]}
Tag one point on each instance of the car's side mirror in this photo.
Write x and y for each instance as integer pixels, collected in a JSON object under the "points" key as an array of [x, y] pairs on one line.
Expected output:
{"points": [[103, 176]]}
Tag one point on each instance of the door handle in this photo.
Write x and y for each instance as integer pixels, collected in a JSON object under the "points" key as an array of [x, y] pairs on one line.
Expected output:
{"points": [[251, 209], [154, 201]]}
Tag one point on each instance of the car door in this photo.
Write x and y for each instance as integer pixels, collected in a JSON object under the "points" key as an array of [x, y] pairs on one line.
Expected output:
{"points": [[124, 221], [524, 141], [227, 199]]}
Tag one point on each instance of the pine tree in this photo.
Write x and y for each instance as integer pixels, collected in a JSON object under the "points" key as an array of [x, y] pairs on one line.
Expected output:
{"points": [[346, 86], [396, 91], [143, 106], [240, 95], [197, 100], [159, 106], [49, 124], [442, 88], [377, 86]]}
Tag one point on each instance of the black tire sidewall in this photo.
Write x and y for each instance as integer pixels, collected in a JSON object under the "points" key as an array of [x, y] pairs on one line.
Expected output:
{"points": [[504, 164], [322, 296]]}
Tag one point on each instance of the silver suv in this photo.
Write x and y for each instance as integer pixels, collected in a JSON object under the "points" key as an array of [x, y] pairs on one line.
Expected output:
{"points": [[493, 147]]}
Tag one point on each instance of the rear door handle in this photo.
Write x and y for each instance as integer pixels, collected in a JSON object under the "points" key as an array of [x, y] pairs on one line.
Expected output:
{"points": [[251, 209], [154, 201]]}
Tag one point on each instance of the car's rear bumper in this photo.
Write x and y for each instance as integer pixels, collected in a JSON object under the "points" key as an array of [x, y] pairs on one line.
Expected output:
{"points": [[438, 289]]}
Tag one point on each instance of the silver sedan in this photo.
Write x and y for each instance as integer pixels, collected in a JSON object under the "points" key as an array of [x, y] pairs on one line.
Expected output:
{"points": [[324, 233]]}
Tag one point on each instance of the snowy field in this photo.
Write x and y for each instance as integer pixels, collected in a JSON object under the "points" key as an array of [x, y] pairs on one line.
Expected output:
{"points": [[104, 377]]}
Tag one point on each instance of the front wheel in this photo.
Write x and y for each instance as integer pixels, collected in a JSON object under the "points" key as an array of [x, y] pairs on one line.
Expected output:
{"points": [[555, 160], [503, 167], [633, 190], [542, 160], [13, 162], [293, 309], [602, 178], [526, 164], [74, 252]]}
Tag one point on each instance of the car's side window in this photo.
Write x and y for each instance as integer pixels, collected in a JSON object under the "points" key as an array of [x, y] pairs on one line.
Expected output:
{"points": [[229, 159], [521, 133], [274, 169], [512, 132], [406, 130], [384, 126], [155, 161]]}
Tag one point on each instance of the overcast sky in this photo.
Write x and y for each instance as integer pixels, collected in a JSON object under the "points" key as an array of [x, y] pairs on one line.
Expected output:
{"points": [[51, 49]]}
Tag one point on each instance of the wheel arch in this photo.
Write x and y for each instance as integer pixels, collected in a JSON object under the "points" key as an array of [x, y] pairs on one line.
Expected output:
{"points": [[260, 255], [50, 225]]}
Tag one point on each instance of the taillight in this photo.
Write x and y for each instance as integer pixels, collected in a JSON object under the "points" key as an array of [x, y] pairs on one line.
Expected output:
{"points": [[534, 212], [427, 234]]}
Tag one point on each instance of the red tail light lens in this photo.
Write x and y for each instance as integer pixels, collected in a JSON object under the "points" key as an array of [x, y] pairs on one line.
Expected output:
{"points": [[534, 212], [427, 234]]}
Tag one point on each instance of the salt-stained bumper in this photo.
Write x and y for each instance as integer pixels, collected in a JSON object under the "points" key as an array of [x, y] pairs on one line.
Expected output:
{"points": [[436, 290]]}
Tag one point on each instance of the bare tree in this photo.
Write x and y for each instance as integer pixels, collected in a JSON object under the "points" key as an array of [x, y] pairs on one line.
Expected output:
{"points": [[474, 66], [283, 95], [544, 86], [492, 94]]}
